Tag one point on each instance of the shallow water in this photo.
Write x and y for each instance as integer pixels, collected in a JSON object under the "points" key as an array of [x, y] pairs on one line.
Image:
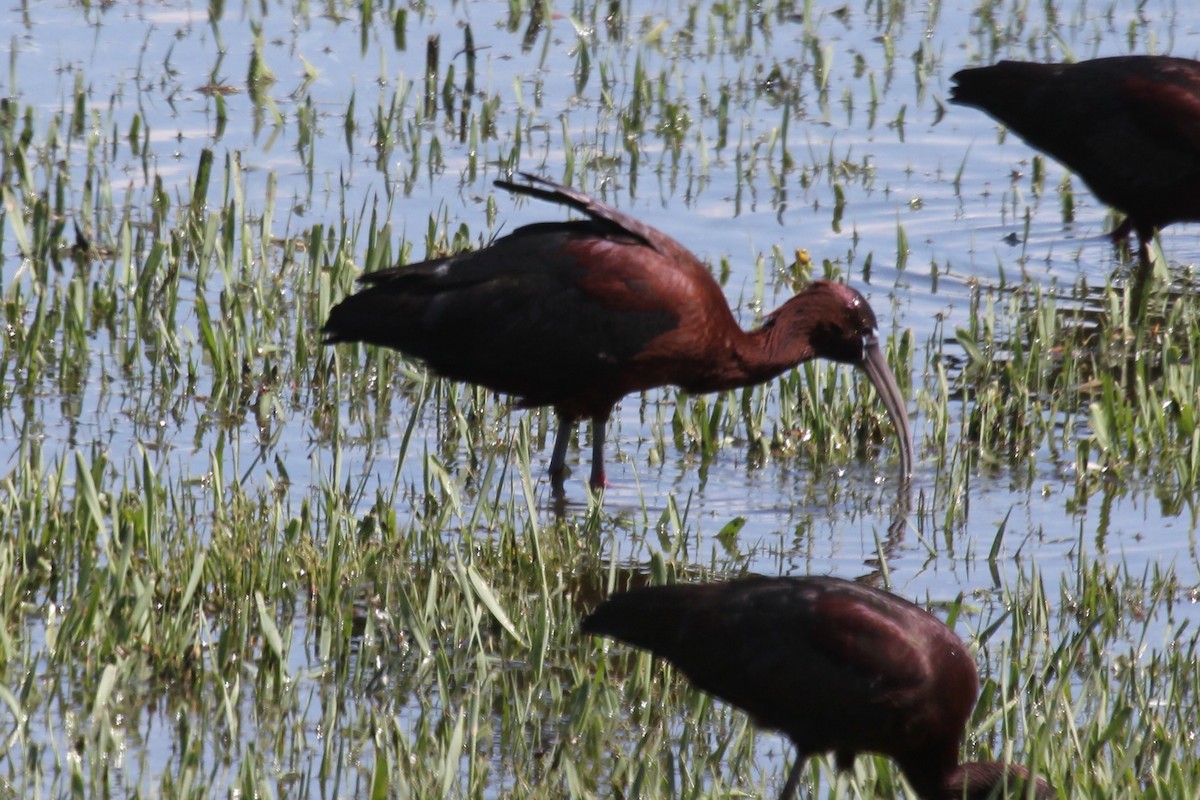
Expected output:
{"points": [[904, 160]]}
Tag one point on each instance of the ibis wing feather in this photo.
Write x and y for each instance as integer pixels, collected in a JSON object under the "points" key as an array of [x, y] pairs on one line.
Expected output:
{"points": [[521, 316], [600, 212], [1170, 110]]}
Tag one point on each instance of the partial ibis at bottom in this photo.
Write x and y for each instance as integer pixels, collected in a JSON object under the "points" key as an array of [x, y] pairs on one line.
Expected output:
{"points": [[832, 664]]}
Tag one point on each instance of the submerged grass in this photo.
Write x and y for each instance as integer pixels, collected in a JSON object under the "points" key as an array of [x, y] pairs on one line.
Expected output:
{"points": [[236, 561]]}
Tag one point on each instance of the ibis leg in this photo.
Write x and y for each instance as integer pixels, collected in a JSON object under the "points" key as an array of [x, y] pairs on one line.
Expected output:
{"points": [[558, 461], [598, 478], [793, 778], [1142, 276]]}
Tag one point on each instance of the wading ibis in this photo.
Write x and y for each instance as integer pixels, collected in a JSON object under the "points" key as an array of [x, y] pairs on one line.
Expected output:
{"points": [[578, 314], [832, 664], [1129, 126]]}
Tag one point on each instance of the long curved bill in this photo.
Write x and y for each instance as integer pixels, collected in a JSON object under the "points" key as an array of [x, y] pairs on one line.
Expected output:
{"points": [[875, 364]]}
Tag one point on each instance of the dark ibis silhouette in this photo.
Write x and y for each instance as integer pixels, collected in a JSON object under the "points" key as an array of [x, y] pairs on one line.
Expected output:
{"points": [[578, 314], [833, 664], [1129, 126]]}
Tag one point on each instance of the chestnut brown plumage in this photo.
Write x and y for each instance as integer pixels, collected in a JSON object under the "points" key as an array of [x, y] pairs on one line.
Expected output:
{"points": [[834, 665], [578, 314], [1129, 126]]}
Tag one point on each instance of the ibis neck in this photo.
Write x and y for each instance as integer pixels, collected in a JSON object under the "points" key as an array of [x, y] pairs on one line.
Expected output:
{"points": [[783, 340]]}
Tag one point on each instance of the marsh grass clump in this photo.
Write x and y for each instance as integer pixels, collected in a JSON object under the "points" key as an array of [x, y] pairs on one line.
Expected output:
{"points": [[1036, 368], [1124, 723]]}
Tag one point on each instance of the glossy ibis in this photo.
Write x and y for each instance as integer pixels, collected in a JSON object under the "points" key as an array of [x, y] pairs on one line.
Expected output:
{"points": [[1128, 125], [578, 314], [832, 664]]}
